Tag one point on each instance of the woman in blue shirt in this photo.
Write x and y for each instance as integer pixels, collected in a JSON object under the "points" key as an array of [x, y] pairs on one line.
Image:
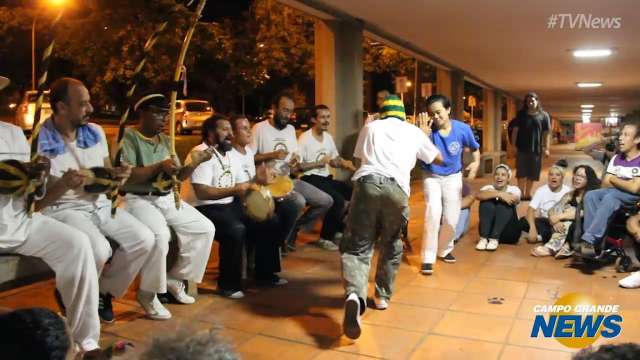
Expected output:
{"points": [[443, 182]]}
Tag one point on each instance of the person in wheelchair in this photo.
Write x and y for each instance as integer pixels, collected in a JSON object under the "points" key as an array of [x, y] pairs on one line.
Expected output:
{"points": [[620, 187], [633, 228]]}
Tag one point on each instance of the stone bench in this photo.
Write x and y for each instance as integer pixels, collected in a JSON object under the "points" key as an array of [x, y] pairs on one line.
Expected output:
{"points": [[18, 270]]}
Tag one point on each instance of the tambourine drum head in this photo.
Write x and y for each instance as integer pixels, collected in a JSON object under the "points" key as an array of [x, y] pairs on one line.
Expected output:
{"points": [[8, 176], [99, 173], [281, 187], [258, 206]]}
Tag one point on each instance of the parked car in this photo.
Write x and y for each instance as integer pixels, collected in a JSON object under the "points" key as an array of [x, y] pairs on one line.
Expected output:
{"points": [[25, 111], [190, 114]]}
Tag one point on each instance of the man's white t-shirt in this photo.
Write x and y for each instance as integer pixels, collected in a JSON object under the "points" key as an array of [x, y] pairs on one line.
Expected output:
{"points": [[216, 172], [390, 147], [243, 164], [513, 190], [77, 158], [544, 199], [14, 221], [312, 150], [266, 138]]}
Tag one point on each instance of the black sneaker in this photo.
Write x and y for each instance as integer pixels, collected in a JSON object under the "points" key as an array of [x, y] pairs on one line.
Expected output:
{"points": [[449, 258], [587, 250], [105, 308], [59, 302], [351, 322], [427, 269]]}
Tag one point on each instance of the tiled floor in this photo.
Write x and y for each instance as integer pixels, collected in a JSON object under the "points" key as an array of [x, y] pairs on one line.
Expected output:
{"points": [[443, 316]]}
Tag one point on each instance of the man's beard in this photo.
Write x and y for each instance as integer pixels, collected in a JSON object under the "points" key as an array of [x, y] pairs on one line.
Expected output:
{"points": [[224, 146], [280, 123]]}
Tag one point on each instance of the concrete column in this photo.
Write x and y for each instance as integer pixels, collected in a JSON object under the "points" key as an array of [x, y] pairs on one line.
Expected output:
{"points": [[457, 94], [491, 132], [443, 82], [338, 78]]}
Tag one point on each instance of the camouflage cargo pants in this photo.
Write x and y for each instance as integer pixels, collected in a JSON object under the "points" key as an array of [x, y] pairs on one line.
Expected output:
{"points": [[378, 209]]}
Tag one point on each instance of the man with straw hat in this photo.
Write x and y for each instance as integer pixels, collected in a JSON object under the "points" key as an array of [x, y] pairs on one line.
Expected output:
{"points": [[388, 150], [66, 250]]}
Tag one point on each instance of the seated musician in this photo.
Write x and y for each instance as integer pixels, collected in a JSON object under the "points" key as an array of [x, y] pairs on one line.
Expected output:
{"points": [[66, 250], [212, 189], [318, 154], [73, 145], [148, 150], [288, 207]]}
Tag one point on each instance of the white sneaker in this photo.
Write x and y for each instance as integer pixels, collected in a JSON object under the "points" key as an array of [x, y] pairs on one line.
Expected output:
{"points": [[152, 306], [339, 236], [380, 303], [177, 289], [326, 244], [351, 322], [492, 245], [482, 244], [232, 294], [631, 282]]}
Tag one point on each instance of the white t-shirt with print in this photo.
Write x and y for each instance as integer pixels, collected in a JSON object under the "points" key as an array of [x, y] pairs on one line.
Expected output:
{"points": [[312, 150], [513, 190], [544, 199], [243, 164], [267, 138], [216, 172], [390, 147], [77, 158]]}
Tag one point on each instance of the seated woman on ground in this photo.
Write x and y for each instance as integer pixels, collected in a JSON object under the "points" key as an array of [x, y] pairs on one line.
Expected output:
{"points": [[497, 208], [563, 214], [535, 226]]}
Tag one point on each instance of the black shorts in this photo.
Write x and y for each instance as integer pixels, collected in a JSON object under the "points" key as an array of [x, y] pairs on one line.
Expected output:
{"points": [[528, 165]]}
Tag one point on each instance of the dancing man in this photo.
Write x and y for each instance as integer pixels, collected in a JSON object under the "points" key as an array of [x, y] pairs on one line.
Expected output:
{"points": [[388, 150]]}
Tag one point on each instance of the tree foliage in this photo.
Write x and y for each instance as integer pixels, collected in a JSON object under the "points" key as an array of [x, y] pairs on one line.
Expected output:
{"points": [[100, 41]]}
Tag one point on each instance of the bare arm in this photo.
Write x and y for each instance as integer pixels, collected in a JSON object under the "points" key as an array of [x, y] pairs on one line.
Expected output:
{"points": [[56, 187], [531, 219], [630, 186], [467, 201], [206, 192]]}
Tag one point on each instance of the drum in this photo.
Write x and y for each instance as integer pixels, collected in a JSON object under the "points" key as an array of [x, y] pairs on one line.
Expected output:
{"points": [[280, 187], [258, 203]]}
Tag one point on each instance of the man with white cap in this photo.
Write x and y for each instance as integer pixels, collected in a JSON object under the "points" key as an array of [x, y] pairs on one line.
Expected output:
{"points": [[148, 150], [66, 250]]}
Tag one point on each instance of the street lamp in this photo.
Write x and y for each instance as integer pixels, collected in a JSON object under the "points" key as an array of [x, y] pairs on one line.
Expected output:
{"points": [[52, 3]]}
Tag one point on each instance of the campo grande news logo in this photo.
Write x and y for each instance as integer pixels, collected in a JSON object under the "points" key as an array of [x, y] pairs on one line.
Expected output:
{"points": [[576, 321]]}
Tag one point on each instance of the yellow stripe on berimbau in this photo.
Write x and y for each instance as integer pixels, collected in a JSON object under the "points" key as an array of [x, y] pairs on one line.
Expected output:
{"points": [[43, 78], [139, 67], [49, 50]]}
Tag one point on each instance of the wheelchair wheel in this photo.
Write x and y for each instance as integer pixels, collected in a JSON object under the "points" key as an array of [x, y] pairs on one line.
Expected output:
{"points": [[623, 264]]}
